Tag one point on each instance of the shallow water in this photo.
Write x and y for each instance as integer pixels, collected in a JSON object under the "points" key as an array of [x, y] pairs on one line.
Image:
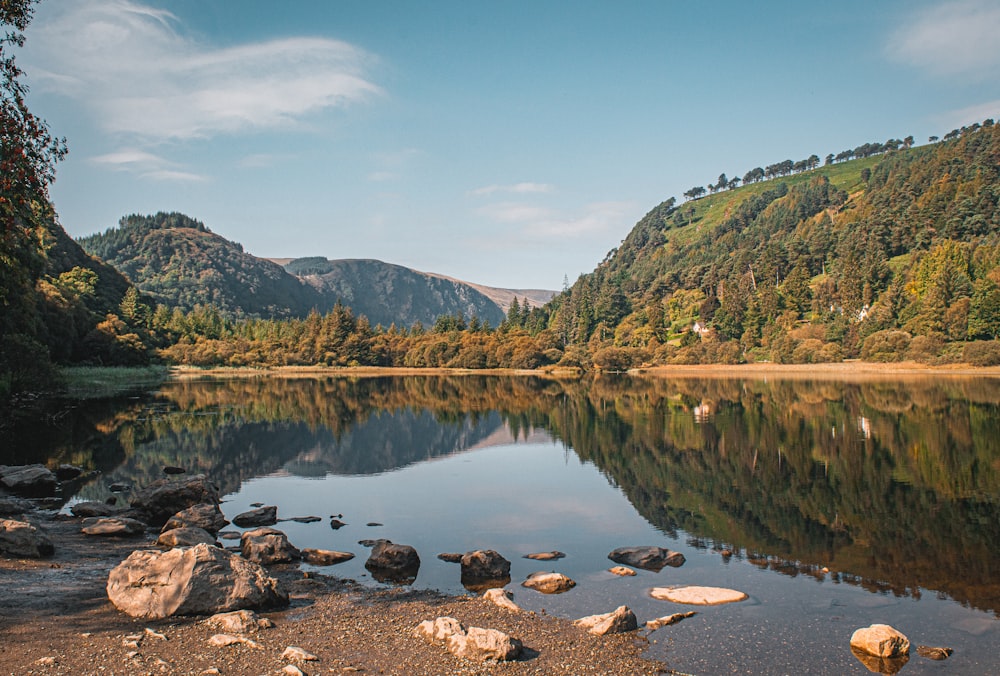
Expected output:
{"points": [[844, 503]]}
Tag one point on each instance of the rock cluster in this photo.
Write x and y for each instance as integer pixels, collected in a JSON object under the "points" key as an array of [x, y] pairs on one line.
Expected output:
{"points": [[473, 643]]}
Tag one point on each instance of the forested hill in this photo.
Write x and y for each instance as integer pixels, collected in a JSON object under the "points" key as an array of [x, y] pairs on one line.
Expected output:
{"points": [[896, 255], [179, 262], [392, 294]]}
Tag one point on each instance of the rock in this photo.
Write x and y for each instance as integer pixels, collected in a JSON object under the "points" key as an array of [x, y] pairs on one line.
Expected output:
{"points": [[647, 558], [266, 546], [33, 481], [549, 583], [207, 516], [694, 595], [336, 524], [185, 537], [11, 506], [239, 622], [230, 535], [292, 670], [262, 516], [483, 644], [502, 598], [296, 654], [545, 556], [440, 629], [451, 557], [484, 569], [113, 526], [653, 625], [92, 509], [120, 487], [880, 640], [170, 469], [325, 557], [197, 580], [390, 562], [163, 498], [932, 653], [622, 571], [370, 543], [21, 539], [619, 621], [880, 665], [304, 519], [373, 524], [472, 643], [68, 472], [223, 640]]}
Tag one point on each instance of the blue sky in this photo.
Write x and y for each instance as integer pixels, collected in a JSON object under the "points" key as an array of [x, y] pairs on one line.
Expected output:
{"points": [[506, 143]]}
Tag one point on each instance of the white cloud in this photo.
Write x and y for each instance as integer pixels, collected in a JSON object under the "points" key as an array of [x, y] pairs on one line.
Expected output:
{"points": [[955, 119], [137, 73], [545, 223], [516, 188], [952, 38], [146, 165]]}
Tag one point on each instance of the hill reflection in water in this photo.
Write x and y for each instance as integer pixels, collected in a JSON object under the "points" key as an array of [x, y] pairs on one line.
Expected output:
{"points": [[893, 485]]}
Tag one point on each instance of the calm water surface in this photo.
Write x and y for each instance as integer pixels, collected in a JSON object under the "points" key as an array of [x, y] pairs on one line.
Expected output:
{"points": [[844, 503]]}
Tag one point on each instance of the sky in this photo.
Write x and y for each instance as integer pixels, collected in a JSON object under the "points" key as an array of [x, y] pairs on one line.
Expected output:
{"points": [[511, 143]]}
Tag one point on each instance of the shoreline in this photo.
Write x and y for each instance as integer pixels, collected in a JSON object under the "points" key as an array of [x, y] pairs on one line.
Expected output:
{"points": [[55, 618]]}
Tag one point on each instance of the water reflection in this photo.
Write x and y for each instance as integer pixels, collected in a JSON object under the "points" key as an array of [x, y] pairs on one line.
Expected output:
{"points": [[892, 485]]}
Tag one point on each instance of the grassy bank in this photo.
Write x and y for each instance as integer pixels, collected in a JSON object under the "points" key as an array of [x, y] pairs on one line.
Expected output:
{"points": [[99, 382]]}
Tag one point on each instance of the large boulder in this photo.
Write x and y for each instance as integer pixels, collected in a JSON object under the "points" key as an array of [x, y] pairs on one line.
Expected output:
{"points": [[389, 562], [206, 516], [266, 546], [484, 569], [199, 580], [647, 558], [34, 481], [21, 539], [261, 516], [162, 499], [618, 621]]}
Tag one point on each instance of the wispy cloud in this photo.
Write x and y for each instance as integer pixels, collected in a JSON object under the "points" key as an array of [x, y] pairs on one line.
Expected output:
{"points": [[951, 38], [146, 165], [134, 69], [515, 188], [545, 223], [954, 119]]}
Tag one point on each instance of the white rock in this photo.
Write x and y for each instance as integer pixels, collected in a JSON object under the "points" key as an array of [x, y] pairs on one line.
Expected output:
{"points": [[622, 571], [619, 621], [881, 640], [501, 597], [292, 670], [483, 644], [439, 630], [667, 620], [697, 596], [239, 622], [223, 640]]}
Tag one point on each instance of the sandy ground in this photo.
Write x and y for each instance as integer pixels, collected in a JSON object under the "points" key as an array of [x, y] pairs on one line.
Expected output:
{"points": [[55, 618]]}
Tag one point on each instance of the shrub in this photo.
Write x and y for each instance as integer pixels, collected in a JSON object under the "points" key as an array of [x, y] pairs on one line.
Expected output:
{"points": [[982, 353], [885, 346]]}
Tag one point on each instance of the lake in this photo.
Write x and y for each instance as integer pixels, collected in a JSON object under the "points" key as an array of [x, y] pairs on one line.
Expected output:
{"points": [[842, 502]]}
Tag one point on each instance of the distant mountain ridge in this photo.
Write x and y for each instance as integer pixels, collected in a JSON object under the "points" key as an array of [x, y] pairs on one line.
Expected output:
{"points": [[177, 261]]}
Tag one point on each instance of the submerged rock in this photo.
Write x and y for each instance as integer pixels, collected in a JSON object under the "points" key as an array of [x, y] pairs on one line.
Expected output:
{"points": [[545, 556], [622, 571], [261, 516], [647, 558], [325, 557], [667, 620], [933, 653], [390, 562], [695, 595], [199, 580], [549, 583]]}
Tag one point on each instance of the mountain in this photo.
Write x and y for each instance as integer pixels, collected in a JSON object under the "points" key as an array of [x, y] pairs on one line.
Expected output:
{"points": [[392, 294], [892, 256], [179, 262]]}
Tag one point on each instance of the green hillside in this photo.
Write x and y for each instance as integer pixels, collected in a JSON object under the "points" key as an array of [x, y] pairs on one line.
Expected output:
{"points": [[888, 257], [179, 262]]}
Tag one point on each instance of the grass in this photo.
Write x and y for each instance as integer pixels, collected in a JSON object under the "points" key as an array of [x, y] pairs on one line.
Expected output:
{"points": [[103, 382]]}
